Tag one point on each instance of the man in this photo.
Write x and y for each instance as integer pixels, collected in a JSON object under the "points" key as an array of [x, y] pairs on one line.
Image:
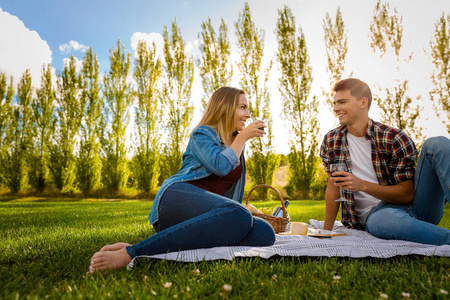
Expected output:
{"points": [[385, 194]]}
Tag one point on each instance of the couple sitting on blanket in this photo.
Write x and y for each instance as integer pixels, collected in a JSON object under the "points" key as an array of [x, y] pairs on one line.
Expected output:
{"points": [[385, 193]]}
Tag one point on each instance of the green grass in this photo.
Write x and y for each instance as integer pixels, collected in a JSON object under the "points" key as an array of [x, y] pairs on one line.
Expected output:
{"points": [[45, 247]]}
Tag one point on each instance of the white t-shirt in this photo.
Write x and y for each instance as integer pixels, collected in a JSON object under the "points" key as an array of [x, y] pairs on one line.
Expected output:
{"points": [[362, 167]]}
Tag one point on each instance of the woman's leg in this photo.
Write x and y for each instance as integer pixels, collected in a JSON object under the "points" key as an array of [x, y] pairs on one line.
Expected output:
{"points": [[191, 218], [432, 180], [184, 201], [261, 234], [396, 222]]}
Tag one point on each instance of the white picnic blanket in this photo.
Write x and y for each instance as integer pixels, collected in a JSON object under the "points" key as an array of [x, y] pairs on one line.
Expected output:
{"points": [[356, 243]]}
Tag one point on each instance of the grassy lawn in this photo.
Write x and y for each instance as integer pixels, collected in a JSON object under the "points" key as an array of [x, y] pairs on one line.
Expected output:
{"points": [[45, 247]]}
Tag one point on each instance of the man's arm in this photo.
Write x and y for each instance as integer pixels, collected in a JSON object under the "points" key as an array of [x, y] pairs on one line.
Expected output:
{"points": [[400, 193], [331, 206]]}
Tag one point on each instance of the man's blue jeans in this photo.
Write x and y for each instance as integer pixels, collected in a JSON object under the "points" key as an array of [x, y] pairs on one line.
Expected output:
{"points": [[418, 222], [192, 218]]}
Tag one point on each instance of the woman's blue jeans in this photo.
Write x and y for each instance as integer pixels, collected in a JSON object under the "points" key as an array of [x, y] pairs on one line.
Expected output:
{"points": [[192, 218], [418, 222]]}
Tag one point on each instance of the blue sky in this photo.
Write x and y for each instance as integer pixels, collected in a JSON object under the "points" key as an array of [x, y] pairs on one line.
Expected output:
{"points": [[33, 33], [100, 24]]}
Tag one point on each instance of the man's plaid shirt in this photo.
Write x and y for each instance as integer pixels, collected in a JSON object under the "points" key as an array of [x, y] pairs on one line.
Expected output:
{"points": [[393, 158]]}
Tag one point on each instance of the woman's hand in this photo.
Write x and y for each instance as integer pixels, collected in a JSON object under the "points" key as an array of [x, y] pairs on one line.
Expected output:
{"points": [[255, 129], [251, 131]]}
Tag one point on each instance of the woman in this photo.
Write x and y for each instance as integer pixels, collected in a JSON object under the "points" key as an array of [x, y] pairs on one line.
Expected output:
{"points": [[199, 207]]}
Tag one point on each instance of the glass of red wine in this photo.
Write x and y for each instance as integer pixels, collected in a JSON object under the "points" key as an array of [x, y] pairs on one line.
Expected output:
{"points": [[265, 147], [334, 168]]}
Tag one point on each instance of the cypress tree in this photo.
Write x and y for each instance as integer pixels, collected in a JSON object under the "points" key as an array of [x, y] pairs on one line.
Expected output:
{"points": [[254, 80], [175, 100], [335, 39], [44, 123], [386, 30], [147, 74], [440, 52], [19, 137], [69, 113], [6, 97], [89, 164], [214, 64], [298, 106], [118, 99]]}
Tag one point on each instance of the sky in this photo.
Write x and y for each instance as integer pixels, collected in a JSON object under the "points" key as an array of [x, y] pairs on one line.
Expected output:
{"points": [[33, 33]]}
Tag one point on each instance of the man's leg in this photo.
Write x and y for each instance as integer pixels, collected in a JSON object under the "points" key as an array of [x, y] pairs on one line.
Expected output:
{"points": [[432, 180], [396, 222], [418, 222]]}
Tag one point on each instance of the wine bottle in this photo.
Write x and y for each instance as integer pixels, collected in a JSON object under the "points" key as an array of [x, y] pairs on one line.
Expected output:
{"points": [[278, 212]]}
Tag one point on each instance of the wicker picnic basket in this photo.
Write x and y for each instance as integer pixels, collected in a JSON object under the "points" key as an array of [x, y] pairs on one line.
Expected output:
{"points": [[279, 224]]}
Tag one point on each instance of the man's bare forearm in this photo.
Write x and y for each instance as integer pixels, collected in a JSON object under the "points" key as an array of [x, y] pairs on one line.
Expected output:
{"points": [[401, 193], [331, 206]]}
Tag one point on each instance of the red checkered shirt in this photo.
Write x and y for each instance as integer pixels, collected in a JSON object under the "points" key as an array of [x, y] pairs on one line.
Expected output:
{"points": [[393, 157]]}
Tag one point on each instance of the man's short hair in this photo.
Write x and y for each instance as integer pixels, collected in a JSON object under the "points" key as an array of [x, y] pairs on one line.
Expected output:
{"points": [[357, 88]]}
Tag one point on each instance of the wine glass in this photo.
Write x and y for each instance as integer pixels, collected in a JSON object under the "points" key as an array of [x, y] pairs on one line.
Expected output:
{"points": [[334, 168], [266, 148]]}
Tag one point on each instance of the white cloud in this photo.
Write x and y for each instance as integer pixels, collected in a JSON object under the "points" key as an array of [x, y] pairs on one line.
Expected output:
{"points": [[78, 63], [193, 48], [72, 46], [149, 38], [20, 49]]}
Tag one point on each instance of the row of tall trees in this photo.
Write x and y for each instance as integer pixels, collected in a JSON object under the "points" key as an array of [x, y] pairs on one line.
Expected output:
{"points": [[75, 134]]}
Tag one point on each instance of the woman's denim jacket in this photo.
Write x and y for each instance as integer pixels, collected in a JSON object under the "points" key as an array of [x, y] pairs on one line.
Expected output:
{"points": [[205, 154]]}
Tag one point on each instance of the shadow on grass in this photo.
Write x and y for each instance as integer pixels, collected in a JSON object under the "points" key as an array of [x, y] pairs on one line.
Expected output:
{"points": [[41, 217], [68, 200], [39, 199], [55, 195]]}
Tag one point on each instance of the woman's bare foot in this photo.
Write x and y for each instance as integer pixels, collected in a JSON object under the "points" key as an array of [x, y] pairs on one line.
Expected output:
{"points": [[115, 247], [103, 261]]}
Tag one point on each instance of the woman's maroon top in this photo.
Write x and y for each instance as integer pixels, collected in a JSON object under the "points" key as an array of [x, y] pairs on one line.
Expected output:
{"points": [[218, 184]]}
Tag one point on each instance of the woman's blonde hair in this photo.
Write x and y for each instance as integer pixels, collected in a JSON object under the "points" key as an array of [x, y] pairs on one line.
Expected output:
{"points": [[220, 113]]}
